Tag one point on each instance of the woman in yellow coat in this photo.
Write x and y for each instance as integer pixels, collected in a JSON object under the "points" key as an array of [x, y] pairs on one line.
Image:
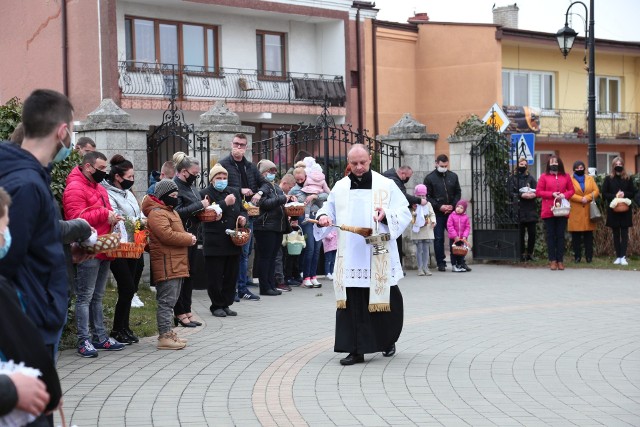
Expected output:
{"points": [[580, 225]]}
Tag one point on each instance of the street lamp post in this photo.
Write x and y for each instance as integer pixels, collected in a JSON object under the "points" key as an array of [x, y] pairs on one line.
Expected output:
{"points": [[566, 36]]}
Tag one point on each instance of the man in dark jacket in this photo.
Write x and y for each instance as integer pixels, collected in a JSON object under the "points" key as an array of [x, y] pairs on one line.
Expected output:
{"points": [[401, 176], [35, 263], [244, 175], [443, 192]]}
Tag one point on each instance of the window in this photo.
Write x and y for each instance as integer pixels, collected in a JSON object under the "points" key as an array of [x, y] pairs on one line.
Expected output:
{"points": [[608, 94], [527, 88], [604, 161], [151, 41], [271, 54]]}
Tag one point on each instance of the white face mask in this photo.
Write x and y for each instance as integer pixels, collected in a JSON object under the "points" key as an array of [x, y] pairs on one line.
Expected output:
{"points": [[441, 169]]}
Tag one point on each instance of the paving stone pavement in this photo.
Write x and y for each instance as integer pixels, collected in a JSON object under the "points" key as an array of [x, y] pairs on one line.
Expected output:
{"points": [[499, 346]]}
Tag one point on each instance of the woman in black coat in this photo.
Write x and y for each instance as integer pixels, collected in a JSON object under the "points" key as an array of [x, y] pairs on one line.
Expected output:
{"points": [[526, 205], [269, 227], [619, 185], [222, 256]]}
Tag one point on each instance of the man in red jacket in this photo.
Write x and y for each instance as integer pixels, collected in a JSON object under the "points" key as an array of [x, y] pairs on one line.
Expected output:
{"points": [[84, 197]]}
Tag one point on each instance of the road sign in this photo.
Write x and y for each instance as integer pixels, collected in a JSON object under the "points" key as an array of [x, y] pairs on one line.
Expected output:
{"points": [[496, 117], [523, 145]]}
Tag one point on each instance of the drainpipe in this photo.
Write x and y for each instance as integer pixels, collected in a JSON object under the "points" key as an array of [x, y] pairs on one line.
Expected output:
{"points": [[360, 100], [374, 48], [65, 49]]}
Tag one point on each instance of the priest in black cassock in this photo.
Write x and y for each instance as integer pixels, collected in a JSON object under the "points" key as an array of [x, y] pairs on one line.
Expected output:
{"points": [[369, 313]]}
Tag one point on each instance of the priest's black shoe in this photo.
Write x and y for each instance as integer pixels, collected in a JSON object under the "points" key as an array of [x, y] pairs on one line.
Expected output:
{"points": [[390, 352], [352, 359]]}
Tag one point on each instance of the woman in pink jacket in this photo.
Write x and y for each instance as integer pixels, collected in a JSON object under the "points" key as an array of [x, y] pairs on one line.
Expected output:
{"points": [[553, 186], [458, 227]]}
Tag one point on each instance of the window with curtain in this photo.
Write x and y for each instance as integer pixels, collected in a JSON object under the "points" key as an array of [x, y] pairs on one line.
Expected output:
{"points": [[192, 47], [270, 48], [608, 94], [528, 88]]}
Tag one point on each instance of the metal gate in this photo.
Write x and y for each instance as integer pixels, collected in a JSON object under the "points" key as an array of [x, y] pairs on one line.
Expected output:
{"points": [[495, 219], [174, 135], [327, 143]]}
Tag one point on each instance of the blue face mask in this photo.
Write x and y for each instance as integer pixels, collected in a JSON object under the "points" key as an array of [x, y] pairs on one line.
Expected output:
{"points": [[271, 177], [220, 185], [7, 243], [64, 151]]}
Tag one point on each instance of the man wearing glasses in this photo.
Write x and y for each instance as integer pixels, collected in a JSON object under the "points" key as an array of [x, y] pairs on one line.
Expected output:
{"points": [[244, 175]]}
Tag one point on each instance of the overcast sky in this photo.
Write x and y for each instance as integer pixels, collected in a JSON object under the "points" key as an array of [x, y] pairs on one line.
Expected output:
{"points": [[614, 19]]}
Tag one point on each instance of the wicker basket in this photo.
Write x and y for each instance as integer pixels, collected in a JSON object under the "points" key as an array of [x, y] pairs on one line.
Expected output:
{"points": [[105, 243], [294, 211], [241, 236], [558, 210], [208, 215], [126, 250], [253, 210], [621, 207], [460, 247]]}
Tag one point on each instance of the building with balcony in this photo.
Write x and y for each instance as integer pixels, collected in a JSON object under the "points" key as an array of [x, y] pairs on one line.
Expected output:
{"points": [[273, 62], [443, 72]]}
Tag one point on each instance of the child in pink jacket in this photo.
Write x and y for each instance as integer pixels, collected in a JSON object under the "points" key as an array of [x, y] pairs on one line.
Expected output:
{"points": [[458, 227]]}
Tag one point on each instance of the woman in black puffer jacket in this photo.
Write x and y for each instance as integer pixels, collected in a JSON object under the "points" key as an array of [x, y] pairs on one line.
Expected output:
{"points": [[269, 227]]}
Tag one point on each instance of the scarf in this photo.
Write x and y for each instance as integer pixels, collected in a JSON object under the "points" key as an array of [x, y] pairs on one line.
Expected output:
{"points": [[580, 180]]}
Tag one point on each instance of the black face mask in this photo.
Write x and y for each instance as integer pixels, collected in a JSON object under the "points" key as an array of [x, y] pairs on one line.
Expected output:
{"points": [[191, 179], [522, 169], [618, 169], [169, 201], [126, 184], [579, 172], [553, 168], [98, 175]]}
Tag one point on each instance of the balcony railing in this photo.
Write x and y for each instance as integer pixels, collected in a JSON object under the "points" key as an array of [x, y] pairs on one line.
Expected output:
{"points": [[570, 124], [195, 82]]}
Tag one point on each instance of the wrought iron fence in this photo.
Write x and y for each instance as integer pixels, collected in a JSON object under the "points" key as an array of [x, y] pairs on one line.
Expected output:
{"points": [[188, 81], [573, 124]]}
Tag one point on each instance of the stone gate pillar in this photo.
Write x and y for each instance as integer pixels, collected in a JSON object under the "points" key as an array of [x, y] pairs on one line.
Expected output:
{"points": [[417, 149], [222, 124]]}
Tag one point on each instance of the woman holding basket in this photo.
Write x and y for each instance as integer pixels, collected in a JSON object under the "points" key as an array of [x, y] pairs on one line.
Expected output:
{"points": [[126, 271], [555, 189], [618, 190], [222, 256]]}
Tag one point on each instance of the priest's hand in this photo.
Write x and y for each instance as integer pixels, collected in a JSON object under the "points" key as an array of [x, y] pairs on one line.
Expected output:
{"points": [[324, 221], [379, 214]]}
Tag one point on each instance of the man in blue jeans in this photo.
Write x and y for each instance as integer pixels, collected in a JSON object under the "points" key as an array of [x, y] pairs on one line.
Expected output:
{"points": [[244, 175], [443, 192]]}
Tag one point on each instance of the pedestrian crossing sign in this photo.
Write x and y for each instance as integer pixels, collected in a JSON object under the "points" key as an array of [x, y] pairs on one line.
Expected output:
{"points": [[523, 145]]}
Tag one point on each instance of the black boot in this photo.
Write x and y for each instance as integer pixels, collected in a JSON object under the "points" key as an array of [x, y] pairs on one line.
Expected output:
{"points": [[352, 359]]}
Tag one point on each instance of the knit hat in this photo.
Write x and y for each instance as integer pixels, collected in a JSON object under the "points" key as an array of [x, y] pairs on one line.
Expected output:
{"points": [[265, 165], [421, 190], [215, 170], [164, 187], [462, 203]]}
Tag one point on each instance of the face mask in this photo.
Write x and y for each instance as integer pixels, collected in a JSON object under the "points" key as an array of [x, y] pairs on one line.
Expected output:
{"points": [[522, 169], [441, 169], [64, 151], [553, 168], [169, 201], [126, 184], [618, 169], [579, 172], [191, 179], [7, 243], [406, 180], [220, 185], [271, 177], [98, 175]]}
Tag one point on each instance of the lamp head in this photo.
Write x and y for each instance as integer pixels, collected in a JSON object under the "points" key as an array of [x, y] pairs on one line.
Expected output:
{"points": [[566, 36]]}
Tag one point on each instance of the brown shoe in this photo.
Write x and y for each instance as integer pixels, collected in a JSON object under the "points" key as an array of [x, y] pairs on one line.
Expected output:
{"points": [[554, 265], [169, 341], [560, 266]]}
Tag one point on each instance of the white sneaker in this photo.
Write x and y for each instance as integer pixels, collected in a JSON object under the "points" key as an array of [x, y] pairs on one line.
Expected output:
{"points": [[314, 281], [617, 261], [307, 284], [420, 272], [426, 272], [136, 301], [623, 261], [330, 276]]}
